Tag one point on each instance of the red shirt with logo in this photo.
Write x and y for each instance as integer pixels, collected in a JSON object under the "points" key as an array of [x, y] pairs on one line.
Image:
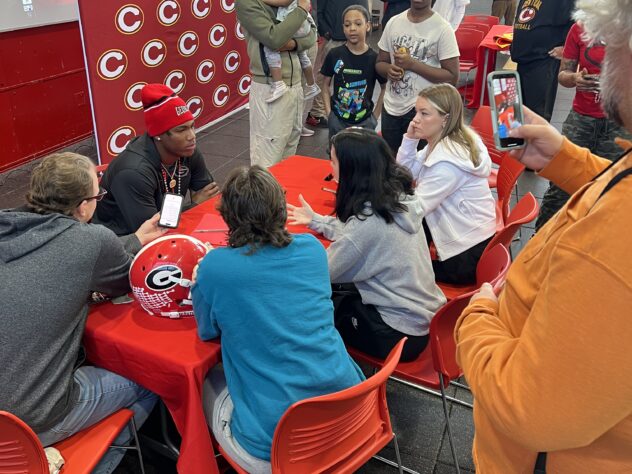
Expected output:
{"points": [[589, 57]]}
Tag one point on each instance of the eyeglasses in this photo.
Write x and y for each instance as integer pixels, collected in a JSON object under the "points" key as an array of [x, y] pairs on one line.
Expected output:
{"points": [[97, 197]]}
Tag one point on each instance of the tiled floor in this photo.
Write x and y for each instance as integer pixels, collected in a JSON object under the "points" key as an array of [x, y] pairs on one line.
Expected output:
{"points": [[417, 417]]}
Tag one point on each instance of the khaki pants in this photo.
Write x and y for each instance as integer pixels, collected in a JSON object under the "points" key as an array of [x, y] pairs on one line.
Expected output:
{"points": [[506, 9], [318, 107], [275, 128], [307, 105]]}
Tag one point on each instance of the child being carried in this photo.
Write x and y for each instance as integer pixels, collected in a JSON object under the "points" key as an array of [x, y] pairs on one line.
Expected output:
{"points": [[278, 86]]}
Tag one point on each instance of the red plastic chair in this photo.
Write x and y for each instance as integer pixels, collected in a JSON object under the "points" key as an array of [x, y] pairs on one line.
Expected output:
{"points": [[508, 174], [468, 41], [492, 267], [436, 366], [482, 124], [338, 432], [486, 19], [22, 452], [525, 211], [476, 26]]}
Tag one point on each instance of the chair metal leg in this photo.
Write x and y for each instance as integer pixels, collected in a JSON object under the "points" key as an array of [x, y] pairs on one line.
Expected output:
{"points": [[447, 424], [394, 464], [137, 442], [432, 392], [460, 385], [397, 455], [165, 432]]}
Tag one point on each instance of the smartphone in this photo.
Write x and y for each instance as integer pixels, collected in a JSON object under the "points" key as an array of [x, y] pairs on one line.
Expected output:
{"points": [[170, 211], [506, 106]]}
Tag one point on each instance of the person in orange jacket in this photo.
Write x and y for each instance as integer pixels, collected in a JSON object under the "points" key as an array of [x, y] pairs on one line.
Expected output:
{"points": [[549, 360]]}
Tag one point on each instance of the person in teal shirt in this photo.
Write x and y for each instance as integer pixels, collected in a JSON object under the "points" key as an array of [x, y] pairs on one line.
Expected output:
{"points": [[269, 298]]}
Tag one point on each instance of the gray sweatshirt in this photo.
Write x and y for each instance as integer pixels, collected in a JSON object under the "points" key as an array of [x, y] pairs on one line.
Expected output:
{"points": [[49, 264], [388, 263]]}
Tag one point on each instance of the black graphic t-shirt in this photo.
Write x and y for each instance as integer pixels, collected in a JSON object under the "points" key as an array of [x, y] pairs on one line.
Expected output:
{"points": [[354, 79], [540, 26]]}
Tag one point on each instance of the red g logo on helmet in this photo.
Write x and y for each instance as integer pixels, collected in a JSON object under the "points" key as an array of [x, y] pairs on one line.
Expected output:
{"points": [[129, 19], [195, 105], [168, 12], [119, 139], [205, 71], [111, 64], [221, 95], [232, 61], [160, 275], [132, 96], [200, 8], [188, 43], [239, 32], [217, 35], [153, 53], [228, 5], [243, 86], [176, 80]]}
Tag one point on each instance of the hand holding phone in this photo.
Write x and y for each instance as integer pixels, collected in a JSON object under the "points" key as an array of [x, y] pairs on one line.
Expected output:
{"points": [[506, 107], [170, 211]]}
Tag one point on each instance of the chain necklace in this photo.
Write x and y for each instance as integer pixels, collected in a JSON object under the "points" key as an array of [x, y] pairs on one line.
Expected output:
{"points": [[172, 177]]}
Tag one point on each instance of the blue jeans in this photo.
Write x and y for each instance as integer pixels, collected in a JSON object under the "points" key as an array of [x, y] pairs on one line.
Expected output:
{"points": [[102, 393]]}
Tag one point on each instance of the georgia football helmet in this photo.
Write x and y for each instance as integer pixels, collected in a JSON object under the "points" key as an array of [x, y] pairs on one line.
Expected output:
{"points": [[160, 275]]}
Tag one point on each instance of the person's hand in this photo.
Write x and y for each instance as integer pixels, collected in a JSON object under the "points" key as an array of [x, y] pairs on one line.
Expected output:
{"points": [[585, 82], [305, 5], [289, 46], [300, 215], [410, 132], [403, 59], [149, 230], [395, 73], [207, 192], [486, 292], [557, 52], [543, 141]]}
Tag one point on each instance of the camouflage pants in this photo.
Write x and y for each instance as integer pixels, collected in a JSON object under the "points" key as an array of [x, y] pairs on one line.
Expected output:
{"points": [[596, 134]]}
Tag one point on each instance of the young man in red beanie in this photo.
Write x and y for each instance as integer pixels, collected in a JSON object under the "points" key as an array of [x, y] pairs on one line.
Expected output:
{"points": [[163, 160]]}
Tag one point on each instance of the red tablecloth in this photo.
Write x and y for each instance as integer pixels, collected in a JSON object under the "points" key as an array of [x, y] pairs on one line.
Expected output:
{"points": [[486, 60], [166, 356]]}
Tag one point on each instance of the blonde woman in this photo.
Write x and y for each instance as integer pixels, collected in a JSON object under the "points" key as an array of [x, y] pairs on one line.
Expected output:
{"points": [[451, 180]]}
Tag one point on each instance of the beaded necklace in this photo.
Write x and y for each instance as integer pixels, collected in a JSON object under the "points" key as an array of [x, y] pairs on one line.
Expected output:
{"points": [[172, 177]]}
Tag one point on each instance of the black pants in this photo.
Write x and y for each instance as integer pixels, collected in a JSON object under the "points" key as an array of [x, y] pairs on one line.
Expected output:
{"points": [[394, 127], [459, 269], [539, 85], [362, 327]]}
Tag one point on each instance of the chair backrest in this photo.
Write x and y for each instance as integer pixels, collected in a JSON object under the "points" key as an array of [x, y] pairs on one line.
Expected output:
{"points": [[526, 210], [493, 266], [20, 449], [442, 337], [508, 174], [338, 432], [482, 124], [468, 41], [476, 26], [487, 19]]}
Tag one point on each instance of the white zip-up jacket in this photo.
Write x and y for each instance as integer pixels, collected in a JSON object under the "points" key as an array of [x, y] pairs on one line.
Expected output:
{"points": [[457, 203]]}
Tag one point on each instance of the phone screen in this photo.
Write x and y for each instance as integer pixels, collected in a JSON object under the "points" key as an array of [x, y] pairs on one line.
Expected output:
{"points": [[506, 94], [170, 212]]}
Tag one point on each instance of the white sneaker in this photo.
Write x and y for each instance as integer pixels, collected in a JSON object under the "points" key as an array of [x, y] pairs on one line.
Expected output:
{"points": [[277, 89], [306, 132], [311, 91]]}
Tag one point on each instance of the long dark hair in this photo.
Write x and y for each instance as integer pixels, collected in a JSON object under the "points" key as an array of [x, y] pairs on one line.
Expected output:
{"points": [[254, 208], [368, 173]]}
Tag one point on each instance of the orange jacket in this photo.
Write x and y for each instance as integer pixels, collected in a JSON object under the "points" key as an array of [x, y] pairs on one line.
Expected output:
{"points": [[550, 364]]}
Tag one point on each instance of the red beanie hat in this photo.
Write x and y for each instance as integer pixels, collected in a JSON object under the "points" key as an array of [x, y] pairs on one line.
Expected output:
{"points": [[163, 109]]}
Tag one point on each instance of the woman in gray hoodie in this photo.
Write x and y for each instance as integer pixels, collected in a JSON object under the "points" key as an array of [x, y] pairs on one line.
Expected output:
{"points": [[379, 263]]}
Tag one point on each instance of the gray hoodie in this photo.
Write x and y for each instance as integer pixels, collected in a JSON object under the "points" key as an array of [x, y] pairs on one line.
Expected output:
{"points": [[388, 263], [49, 264]]}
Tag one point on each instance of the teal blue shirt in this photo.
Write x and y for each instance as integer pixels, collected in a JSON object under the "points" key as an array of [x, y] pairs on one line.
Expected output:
{"points": [[274, 313]]}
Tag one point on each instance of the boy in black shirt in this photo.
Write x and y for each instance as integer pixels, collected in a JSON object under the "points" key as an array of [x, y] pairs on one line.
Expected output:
{"points": [[352, 67]]}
